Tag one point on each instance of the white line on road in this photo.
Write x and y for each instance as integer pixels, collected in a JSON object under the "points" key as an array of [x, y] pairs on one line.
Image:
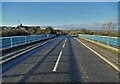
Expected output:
{"points": [[103, 58], [20, 50], [57, 62], [63, 45], [60, 54], [21, 53], [65, 40]]}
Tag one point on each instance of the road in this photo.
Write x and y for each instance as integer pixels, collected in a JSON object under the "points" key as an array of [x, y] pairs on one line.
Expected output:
{"points": [[63, 59]]}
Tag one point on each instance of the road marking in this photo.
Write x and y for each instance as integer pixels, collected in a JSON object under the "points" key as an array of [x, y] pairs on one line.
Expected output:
{"points": [[60, 54], [57, 62], [21, 50], [103, 58], [43, 43], [63, 45], [22, 53], [65, 40]]}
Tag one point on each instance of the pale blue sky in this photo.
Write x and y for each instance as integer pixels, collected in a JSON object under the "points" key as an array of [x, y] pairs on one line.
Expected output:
{"points": [[58, 13], [60, 0]]}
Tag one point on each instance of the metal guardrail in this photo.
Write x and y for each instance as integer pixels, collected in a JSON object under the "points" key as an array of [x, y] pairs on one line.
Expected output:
{"points": [[8, 42], [111, 41]]}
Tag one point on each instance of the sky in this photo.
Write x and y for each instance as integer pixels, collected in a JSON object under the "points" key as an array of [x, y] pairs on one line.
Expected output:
{"points": [[60, 0], [58, 13]]}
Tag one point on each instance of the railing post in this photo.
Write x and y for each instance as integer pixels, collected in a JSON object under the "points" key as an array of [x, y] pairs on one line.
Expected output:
{"points": [[11, 42], [108, 41], [34, 37], [25, 39], [47, 35], [115, 43], [0, 43]]}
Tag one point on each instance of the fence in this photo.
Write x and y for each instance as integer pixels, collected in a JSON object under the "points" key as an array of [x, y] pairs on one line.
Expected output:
{"points": [[7, 42], [111, 41]]}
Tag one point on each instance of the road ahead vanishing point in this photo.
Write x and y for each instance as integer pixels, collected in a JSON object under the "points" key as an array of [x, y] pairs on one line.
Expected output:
{"points": [[61, 59]]}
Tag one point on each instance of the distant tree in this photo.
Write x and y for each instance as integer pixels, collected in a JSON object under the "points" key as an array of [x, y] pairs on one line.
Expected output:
{"points": [[49, 30], [12, 32], [34, 30]]}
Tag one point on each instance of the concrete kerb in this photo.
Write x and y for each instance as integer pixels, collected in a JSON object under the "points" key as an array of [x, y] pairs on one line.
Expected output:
{"points": [[103, 45]]}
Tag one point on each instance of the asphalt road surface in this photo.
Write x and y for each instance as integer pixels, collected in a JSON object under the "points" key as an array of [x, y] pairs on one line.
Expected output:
{"points": [[63, 59]]}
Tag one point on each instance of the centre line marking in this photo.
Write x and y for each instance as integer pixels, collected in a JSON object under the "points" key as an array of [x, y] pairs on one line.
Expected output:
{"points": [[100, 56], [65, 40], [63, 45], [57, 62]]}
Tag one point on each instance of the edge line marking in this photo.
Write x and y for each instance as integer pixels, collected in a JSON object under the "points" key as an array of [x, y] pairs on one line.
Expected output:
{"points": [[103, 58]]}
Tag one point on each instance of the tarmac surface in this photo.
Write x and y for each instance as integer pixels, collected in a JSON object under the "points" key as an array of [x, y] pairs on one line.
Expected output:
{"points": [[63, 59]]}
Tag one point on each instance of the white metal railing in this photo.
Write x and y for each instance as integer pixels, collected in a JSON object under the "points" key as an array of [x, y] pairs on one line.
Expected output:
{"points": [[8, 42], [111, 41]]}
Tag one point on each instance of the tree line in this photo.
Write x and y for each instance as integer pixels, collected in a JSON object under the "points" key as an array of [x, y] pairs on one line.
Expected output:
{"points": [[95, 32], [32, 30]]}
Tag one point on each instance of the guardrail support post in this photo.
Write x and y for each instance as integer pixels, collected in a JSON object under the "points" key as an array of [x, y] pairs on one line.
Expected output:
{"points": [[25, 39], [11, 42], [47, 35], [108, 41]]}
